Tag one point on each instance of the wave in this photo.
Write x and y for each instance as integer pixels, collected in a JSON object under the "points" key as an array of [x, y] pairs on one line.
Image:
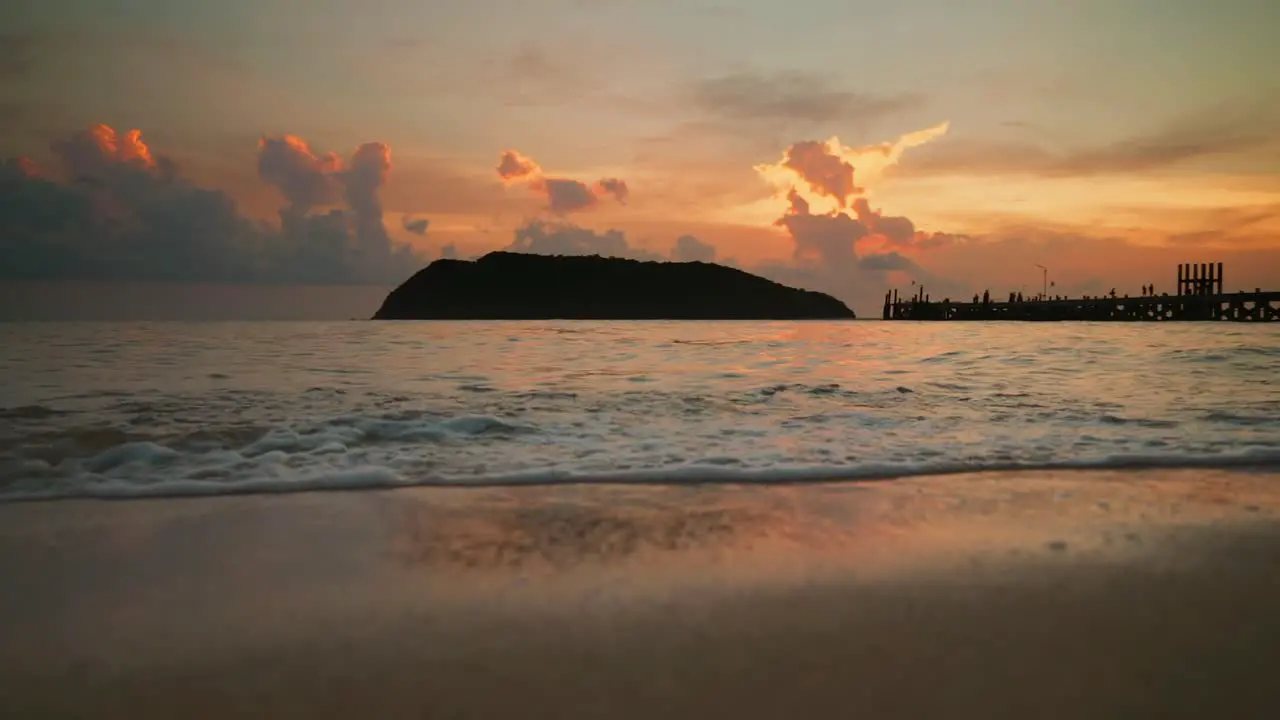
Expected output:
{"points": [[708, 471]]}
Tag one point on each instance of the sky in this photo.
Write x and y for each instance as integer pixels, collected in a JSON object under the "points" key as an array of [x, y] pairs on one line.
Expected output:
{"points": [[843, 146]]}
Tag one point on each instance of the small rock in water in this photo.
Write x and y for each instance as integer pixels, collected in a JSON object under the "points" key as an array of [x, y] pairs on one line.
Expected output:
{"points": [[1058, 546], [902, 389]]}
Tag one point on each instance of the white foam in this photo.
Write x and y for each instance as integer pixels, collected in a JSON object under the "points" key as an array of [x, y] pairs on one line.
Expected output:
{"points": [[274, 472], [359, 406]]}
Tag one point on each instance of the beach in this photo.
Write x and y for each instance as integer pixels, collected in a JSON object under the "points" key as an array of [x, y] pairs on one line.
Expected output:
{"points": [[1013, 594]]}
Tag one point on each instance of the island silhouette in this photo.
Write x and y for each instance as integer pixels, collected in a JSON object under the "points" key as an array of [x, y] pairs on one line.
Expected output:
{"points": [[520, 286]]}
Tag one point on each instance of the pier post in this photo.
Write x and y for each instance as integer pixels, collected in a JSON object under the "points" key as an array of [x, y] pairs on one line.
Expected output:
{"points": [[1219, 278], [1182, 279], [1208, 291]]}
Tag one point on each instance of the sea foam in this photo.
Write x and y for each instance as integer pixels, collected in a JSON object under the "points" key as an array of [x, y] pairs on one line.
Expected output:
{"points": [[282, 407]]}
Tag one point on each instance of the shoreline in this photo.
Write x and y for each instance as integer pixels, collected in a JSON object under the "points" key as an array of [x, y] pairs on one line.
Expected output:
{"points": [[1262, 461], [1043, 594]]}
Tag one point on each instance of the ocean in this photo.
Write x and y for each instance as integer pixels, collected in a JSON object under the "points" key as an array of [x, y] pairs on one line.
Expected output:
{"points": [[118, 410]]}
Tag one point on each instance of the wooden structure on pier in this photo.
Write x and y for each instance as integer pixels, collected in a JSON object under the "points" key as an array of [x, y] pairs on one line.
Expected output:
{"points": [[1199, 297]]}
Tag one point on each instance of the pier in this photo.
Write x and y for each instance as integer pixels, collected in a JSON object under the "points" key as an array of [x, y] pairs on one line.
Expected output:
{"points": [[1199, 297]]}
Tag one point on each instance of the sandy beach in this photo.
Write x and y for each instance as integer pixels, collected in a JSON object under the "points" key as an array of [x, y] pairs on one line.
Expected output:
{"points": [[1048, 595]]}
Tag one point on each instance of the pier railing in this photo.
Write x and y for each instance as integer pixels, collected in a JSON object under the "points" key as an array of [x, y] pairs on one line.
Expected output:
{"points": [[1199, 298]]}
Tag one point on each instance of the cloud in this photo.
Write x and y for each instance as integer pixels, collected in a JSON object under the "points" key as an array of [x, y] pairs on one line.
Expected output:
{"points": [[852, 251], [417, 226], [92, 153], [561, 238], [615, 187], [887, 261], [20, 166], [305, 179], [827, 168], [792, 96], [514, 166], [115, 210], [540, 237], [690, 249], [829, 238], [1222, 132], [821, 166], [564, 195]]}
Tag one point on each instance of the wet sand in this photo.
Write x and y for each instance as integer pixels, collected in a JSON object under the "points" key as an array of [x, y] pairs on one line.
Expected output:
{"points": [[1047, 595]]}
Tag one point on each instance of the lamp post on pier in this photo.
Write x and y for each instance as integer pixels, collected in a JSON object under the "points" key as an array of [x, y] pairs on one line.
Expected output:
{"points": [[1044, 293]]}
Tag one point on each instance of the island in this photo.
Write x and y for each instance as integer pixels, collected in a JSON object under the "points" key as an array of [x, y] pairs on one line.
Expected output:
{"points": [[522, 286]]}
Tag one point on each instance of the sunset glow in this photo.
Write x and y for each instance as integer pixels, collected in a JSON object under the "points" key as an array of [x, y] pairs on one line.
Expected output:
{"points": [[953, 164]]}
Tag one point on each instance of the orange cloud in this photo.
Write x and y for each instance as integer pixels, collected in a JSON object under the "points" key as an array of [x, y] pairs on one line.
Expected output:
{"points": [[22, 165], [820, 165], [836, 237], [564, 195], [91, 152], [827, 167], [305, 179], [118, 212], [128, 148], [514, 167], [829, 238]]}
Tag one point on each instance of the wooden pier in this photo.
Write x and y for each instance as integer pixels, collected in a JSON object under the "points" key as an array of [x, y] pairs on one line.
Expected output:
{"points": [[1199, 298]]}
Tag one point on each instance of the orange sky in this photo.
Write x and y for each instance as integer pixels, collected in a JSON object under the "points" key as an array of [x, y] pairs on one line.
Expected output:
{"points": [[959, 149], [1105, 228]]}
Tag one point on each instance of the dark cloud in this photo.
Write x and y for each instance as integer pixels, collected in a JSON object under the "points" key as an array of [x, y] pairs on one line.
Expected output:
{"points": [[829, 238], [563, 238], [514, 166], [690, 249], [366, 176], [793, 96], [887, 261], [897, 230], [615, 187], [113, 210], [417, 226], [559, 238], [305, 180], [565, 196]]}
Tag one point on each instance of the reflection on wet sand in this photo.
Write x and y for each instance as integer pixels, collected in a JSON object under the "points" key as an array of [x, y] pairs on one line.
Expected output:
{"points": [[1015, 595]]}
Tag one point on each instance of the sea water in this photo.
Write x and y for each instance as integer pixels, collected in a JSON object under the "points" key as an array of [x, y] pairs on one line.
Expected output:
{"points": [[153, 409]]}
